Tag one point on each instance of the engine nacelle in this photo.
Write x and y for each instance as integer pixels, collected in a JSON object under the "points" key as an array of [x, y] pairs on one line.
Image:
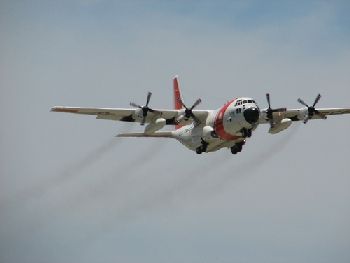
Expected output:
{"points": [[155, 125], [282, 125], [208, 133]]}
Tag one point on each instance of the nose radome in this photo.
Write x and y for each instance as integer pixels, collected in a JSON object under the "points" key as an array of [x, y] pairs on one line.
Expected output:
{"points": [[251, 115]]}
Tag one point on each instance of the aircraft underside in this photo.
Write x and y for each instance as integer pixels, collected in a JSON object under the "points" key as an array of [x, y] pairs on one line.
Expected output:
{"points": [[187, 136]]}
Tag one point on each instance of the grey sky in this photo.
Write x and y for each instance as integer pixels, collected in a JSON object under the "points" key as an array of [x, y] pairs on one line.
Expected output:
{"points": [[71, 192]]}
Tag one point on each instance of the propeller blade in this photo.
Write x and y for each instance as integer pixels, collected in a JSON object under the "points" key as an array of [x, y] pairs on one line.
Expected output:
{"points": [[149, 95], [306, 119], [317, 100], [302, 102], [196, 120], [135, 105], [268, 100], [270, 111], [197, 102], [143, 121], [144, 111]]}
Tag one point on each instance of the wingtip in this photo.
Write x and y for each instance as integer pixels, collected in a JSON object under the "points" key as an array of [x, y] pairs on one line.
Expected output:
{"points": [[64, 109]]}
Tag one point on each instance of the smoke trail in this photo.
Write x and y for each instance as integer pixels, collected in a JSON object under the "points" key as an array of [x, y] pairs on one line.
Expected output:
{"points": [[153, 198], [95, 194], [220, 162], [184, 187], [72, 171], [121, 172], [250, 166]]}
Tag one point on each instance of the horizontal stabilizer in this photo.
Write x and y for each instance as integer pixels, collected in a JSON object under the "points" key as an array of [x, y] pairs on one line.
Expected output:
{"points": [[168, 134]]}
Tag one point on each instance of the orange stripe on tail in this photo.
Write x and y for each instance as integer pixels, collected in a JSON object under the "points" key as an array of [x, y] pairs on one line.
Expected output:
{"points": [[177, 97]]}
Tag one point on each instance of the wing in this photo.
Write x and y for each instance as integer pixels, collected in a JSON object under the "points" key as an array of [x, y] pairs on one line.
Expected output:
{"points": [[131, 115], [299, 114]]}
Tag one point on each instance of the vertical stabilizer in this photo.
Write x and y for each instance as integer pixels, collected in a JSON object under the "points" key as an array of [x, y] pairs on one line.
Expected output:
{"points": [[177, 97]]}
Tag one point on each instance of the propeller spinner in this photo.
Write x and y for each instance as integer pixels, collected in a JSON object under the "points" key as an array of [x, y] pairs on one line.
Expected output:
{"points": [[145, 109]]}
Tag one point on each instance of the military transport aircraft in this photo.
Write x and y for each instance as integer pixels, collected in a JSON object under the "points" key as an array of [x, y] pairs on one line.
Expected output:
{"points": [[208, 130]]}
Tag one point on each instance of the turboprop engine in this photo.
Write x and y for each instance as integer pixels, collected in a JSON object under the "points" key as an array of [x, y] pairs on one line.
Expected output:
{"points": [[155, 125], [280, 126], [208, 133]]}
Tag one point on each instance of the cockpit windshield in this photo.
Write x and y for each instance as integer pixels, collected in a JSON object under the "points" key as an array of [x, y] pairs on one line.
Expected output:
{"points": [[241, 102]]}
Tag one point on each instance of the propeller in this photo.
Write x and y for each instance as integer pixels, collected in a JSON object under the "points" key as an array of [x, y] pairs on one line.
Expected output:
{"points": [[189, 111], [145, 109], [270, 111], [311, 111]]}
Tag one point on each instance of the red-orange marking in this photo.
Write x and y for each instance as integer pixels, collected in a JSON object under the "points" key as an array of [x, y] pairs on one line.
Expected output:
{"points": [[219, 124], [177, 98]]}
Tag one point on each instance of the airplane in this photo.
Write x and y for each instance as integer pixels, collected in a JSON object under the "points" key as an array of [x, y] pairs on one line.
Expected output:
{"points": [[206, 131]]}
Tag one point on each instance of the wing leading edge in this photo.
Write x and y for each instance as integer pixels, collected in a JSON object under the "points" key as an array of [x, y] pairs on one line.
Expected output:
{"points": [[130, 115]]}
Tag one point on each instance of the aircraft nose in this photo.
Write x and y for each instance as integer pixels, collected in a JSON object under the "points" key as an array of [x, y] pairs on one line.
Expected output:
{"points": [[251, 115]]}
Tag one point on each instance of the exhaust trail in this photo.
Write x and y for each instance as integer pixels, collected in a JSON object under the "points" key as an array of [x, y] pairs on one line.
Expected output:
{"points": [[191, 184], [248, 167], [185, 188], [72, 171], [95, 196], [149, 199], [222, 166], [122, 172]]}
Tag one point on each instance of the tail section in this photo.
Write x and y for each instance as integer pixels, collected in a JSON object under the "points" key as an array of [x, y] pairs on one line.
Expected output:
{"points": [[177, 97], [166, 134]]}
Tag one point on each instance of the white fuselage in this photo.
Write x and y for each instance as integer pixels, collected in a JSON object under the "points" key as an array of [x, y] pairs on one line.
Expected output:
{"points": [[223, 128]]}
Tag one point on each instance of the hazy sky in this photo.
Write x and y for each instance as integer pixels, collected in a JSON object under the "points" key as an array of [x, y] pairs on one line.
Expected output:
{"points": [[72, 192]]}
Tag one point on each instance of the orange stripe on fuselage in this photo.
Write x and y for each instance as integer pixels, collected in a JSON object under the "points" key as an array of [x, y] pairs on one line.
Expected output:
{"points": [[219, 124]]}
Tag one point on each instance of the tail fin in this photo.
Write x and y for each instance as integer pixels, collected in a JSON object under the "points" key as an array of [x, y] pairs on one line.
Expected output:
{"points": [[177, 97], [167, 134]]}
